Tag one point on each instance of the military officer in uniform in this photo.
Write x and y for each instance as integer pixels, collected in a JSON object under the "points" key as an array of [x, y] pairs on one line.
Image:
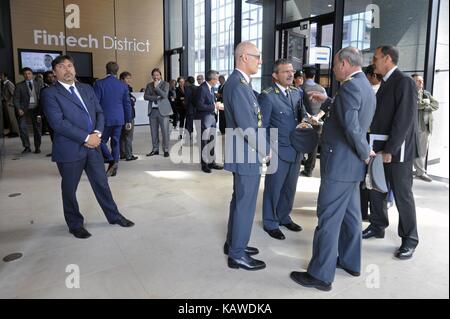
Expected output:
{"points": [[282, 109], [345, 153], [243, 119]]}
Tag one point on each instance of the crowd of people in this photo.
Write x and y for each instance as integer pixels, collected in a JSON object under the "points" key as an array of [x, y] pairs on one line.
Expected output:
{"points": [[377, 111]]}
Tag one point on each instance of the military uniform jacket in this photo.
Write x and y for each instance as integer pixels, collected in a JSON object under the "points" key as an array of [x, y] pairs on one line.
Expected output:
{"points": [[284, 113], [242, 114], [344, 146]]}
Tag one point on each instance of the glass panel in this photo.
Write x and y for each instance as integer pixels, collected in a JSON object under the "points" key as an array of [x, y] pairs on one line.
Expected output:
{"points": [[175, 23], [371, 23], [223, 36], [252, 20], [325, 70], [301, 9], [196, 46]]}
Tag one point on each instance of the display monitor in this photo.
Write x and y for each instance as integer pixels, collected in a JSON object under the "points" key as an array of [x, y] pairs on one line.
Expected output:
{"points": [[37, 60]]}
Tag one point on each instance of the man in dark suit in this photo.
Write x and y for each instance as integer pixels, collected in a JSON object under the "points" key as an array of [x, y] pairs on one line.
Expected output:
{"points": [[126, 137], [205, 108], [189, 94], [219, 95], [393, 132], [73, 111], [345, 153], [282, 109], [243, 118], [159, 111], [26, 102], [114, 98]]}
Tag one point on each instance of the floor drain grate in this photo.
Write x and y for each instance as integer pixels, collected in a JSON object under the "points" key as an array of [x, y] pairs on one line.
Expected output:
{"points": [[14, 194], [12, 257]]}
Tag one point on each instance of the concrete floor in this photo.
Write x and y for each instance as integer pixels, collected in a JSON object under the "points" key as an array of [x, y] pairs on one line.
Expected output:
{"points": [[175, 249]]}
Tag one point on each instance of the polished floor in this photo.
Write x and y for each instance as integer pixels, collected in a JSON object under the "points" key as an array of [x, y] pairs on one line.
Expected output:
{"points": [[175, 249]]}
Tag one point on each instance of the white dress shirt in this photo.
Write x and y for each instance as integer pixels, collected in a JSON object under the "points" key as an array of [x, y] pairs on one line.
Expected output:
{"points": [[388, 75], [67, 87]]}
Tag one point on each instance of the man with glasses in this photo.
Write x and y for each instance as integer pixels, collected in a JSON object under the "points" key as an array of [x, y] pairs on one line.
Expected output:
{"points": [[243, 118]]}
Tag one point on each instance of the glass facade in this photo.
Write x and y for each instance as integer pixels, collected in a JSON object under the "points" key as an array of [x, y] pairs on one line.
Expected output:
{"points": [[222, 36], [369, 24], [252, 21], [294, 10], [196, 36], [366, 25]]}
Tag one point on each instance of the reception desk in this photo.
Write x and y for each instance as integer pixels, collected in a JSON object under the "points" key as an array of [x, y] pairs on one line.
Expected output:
{"points": [[141, 107]]}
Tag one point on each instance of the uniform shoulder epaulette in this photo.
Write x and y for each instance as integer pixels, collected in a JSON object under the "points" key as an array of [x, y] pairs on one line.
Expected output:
{"points": [[348, 80], [243, 81], [268, 90]]}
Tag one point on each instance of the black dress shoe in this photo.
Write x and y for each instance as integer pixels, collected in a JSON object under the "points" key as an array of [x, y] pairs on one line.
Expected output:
{"points": [[404, 253], [26, 150], [293, 226], [215, 166], [132, 158], [306, 280], [152, 153], [37, 151], [80, 233], [49, 155], [123, 222], [369, 233], [306, 173], [246, 262], [351, 272], [249, 250], [112, 169], [206, 169], [275, 233], [166, 154]]}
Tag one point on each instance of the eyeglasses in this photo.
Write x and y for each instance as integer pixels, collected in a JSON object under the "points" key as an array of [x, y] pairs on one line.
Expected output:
{"points": [[257, 56]]}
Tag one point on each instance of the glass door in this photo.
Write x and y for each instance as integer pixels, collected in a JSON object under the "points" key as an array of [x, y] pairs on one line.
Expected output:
{"points": [[174, 60], [299, 39]]}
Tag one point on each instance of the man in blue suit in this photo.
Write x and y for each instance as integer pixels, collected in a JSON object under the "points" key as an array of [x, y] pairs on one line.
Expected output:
{"points": [[114, 98], [243, 119], [205, 108], [345, 153], [73, 111], [282, 109]]}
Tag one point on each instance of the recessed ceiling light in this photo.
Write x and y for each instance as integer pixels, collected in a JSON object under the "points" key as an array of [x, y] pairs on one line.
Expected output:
{"points": [[330, 5]]}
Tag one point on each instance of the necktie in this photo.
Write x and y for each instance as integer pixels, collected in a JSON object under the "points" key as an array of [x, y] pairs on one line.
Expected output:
{"points": [[90, 126], [214, 96], [30, 86]]}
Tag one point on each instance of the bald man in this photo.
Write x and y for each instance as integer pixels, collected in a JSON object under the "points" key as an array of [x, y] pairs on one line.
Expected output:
{"points": [[242, 114]]}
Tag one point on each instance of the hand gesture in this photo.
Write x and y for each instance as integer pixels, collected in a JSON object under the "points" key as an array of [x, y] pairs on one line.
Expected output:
{"points": [[317, 97]]}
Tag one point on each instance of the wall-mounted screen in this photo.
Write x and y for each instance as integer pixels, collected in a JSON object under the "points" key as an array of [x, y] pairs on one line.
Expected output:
{"points": [[37, 60]]}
